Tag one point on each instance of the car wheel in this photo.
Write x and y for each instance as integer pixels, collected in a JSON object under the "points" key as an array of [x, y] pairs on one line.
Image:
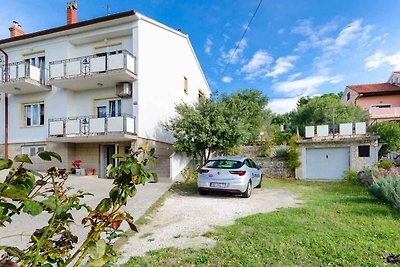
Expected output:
{"points": [[203, 192], [259, 184], [247, 193]]}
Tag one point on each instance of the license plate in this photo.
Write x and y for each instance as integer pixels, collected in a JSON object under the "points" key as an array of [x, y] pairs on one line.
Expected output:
{"points": [[218, 185]]}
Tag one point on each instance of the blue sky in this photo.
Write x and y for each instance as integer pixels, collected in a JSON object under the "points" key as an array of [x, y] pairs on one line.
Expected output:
{"points": [[292, 48]]}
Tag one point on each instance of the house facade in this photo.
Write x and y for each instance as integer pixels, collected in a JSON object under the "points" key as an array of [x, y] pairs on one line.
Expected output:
{"points": [[382, 100], [93, 88]]}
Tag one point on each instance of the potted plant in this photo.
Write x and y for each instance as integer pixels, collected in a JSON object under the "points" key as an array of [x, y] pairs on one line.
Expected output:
{"points": [[77, 166]]}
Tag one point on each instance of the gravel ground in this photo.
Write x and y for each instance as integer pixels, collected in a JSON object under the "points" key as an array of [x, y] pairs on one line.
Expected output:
{"points": [[183, 219]]}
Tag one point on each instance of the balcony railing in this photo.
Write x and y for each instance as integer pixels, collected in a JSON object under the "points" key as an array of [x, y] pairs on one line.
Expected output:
{"points": [[93, 64], [22, 70], [91, 126], [377, 113]]}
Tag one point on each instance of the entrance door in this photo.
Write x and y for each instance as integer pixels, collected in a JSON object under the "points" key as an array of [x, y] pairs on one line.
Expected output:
{"points": [[107, 152]]}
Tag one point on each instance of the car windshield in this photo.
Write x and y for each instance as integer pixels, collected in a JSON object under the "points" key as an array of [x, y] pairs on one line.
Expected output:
{"points": [[224, 164]]}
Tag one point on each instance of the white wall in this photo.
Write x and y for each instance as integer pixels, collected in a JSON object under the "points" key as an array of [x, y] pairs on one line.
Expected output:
{"points": [[178, 161], [1, 119], [165, 58]]}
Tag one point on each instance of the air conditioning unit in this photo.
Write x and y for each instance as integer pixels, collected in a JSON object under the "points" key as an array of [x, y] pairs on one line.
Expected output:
{"points": [[124, 90]]}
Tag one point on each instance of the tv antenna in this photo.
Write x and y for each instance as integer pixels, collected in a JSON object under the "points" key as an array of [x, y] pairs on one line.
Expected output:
{"points": [[108, 8]]}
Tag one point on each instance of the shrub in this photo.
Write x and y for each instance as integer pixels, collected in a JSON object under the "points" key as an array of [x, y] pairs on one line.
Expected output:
{"points": [[264, 150], [380, 173], [385, 165], [281, 152], [387, 190], [189, 174], [350, 175], [293, 155], [365, 177]]}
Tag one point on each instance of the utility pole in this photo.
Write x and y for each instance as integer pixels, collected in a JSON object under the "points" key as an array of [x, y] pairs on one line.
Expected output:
{"points": [[107, 7]]}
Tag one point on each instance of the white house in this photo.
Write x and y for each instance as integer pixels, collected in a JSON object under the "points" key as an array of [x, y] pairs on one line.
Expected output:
{"points": [[93, 88]]}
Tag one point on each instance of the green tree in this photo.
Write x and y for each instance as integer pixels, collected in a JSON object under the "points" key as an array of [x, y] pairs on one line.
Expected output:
{"points": [[203, 128], [249, 107], [389, 133], [324, 109]]}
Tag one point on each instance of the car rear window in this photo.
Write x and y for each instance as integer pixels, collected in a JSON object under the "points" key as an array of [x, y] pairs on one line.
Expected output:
{"points": [[224, 164]]}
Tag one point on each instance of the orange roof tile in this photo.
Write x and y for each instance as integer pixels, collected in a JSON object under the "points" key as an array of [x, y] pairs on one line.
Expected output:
{"points": [[380, 88]]}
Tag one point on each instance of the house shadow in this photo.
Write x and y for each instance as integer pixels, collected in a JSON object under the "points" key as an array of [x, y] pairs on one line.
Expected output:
{"points": [[370, 207]]}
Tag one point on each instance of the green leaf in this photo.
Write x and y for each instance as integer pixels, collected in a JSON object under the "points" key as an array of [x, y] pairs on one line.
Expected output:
{"points": [[32, 207], [117, 156], [14, 193], [24, 158], [9, 206], [135, 169], [98, 250], [50, 202], [155, 176], [151, 152], [48, 155], [5, 164], [104, 205], [113, 193]]}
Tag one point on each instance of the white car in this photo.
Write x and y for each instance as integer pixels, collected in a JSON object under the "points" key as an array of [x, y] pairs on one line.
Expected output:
{"points": [[231, 173]]}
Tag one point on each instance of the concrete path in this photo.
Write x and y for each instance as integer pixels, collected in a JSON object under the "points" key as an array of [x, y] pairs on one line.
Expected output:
{"points": [[18, 233]]}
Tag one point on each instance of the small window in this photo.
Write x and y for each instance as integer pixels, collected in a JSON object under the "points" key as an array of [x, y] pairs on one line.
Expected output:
{"points": [[185, 85], [348, 96], [32, 150], [363, 151], [34, 114]]}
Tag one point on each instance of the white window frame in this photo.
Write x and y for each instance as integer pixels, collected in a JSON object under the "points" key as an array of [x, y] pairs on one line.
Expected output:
{"points": [[32, 114], [32, 150], [381, 105]]}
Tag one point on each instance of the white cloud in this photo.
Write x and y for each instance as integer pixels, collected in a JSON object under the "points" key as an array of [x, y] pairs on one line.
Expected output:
{"points": [[283, 65], [381, 39], [353, 31], [306, 86], [227, 79], [379, 59], [294, 76], [234, 55], [258, 65], [284, 105], [208, 46], [281, 31]]}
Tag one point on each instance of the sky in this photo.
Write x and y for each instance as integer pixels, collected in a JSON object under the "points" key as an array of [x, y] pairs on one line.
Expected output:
{"points": [[291, 48]]}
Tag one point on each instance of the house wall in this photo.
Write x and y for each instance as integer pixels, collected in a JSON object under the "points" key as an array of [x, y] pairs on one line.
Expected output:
{"points": [[356, 163], [165, 58], [1, 122], [353, 96], [368, 101]]}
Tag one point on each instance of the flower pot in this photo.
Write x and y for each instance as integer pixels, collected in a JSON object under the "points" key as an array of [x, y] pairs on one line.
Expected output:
{"points": [[89, 171]]}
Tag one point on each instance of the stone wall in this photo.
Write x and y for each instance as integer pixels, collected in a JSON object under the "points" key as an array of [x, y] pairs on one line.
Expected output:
{"points": [[271, 167]]}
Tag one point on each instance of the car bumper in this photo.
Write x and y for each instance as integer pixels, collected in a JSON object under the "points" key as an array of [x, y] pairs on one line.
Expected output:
{"points": [[231, 185]]}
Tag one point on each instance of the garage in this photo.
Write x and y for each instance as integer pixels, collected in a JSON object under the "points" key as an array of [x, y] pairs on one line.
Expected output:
{"points": [[327, 163]]}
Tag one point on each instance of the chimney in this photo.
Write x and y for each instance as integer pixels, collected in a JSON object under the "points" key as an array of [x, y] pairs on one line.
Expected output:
{"points": [[72, 14], [16, 29]]}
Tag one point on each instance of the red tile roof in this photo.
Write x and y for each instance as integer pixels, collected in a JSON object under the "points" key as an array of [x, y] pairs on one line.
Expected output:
{"points": [[68, 27], [375, 88]]}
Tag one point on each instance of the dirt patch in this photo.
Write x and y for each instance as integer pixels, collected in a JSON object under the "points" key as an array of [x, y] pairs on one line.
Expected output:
{"points": [[183, 220]]}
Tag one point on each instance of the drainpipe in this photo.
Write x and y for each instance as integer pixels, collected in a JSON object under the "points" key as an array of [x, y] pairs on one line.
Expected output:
{"points": [[6, 108]]}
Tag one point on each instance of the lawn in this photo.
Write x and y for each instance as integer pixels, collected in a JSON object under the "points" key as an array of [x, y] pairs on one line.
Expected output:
{"points": [[339, 224]]}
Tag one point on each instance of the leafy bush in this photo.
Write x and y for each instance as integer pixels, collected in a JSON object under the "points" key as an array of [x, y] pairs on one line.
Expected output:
{"points": [[189, 174], [281, 152], [380, 174], [387, 190], [365, 177], [264, 150], [293, 155], [385, 165], [350, 175]]}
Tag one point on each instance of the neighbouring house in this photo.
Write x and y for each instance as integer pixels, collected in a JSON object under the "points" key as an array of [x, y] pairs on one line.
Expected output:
{"points": [[93, 88], [325, 156], [382, 100]]}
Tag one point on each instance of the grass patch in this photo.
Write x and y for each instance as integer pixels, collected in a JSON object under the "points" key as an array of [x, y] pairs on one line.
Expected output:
{"points": [[339, 224]]}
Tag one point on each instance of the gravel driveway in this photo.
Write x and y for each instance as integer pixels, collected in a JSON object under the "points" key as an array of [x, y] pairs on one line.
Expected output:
{"points": [[183, 219]]}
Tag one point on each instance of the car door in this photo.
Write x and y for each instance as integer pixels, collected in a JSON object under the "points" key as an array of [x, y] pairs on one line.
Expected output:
{"points": [[256, 175], [250, 169]]}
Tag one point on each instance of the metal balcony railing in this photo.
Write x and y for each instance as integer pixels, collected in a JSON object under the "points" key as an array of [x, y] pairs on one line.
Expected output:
{"points": [[93, 64], [22, 70], [92, 126], [391, 112]]}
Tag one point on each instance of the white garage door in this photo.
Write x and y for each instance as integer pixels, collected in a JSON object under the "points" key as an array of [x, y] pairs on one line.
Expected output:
{"points": [[327, 163]]}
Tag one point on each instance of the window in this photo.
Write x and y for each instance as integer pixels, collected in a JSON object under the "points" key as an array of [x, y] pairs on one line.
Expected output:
{"points": [[37, 60], [381, 106], [34, 114], [108, 107], [115, 108], [224, 164], [348, 96], [185, 85], [363, 151], [32, 150]]}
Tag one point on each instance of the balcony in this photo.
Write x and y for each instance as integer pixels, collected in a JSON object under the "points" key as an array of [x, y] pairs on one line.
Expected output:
{"points": [[385, 113], [23, 78], [90, 129], [91, 72]]}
